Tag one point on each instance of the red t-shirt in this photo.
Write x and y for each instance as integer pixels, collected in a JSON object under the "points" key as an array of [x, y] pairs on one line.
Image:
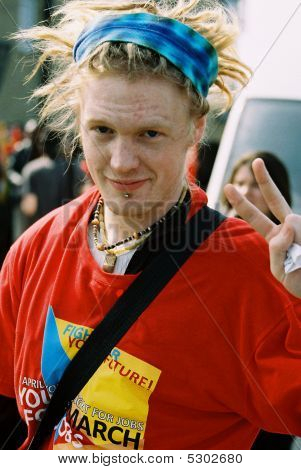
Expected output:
{"points": [[215, 357]]}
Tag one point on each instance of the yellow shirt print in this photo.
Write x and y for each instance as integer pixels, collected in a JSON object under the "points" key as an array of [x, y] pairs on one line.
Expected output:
{"points": [[111, 410]]}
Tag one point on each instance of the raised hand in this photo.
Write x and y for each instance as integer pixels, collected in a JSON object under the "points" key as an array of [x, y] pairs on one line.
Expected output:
{"points": [[279, 237]]}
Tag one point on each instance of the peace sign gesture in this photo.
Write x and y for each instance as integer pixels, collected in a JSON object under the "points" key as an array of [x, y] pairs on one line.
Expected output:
{"points": [[279, 237]]}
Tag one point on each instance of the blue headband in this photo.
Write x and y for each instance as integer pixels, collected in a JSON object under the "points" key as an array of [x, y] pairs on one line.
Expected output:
{"points": [[181, 45]]}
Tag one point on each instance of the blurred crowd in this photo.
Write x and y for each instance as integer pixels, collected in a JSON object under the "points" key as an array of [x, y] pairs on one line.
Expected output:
{"points": [[35, 178]]}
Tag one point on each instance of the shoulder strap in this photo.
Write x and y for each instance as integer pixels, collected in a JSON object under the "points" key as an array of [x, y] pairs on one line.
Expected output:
{"points": [[122, 315]]}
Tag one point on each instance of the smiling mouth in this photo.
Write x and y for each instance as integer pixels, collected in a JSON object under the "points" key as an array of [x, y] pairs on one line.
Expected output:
{"points": [[129, 185]]}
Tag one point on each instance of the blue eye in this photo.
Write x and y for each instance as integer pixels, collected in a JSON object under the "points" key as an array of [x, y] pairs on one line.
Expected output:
{"points": [[103, 129], [151, 133]]}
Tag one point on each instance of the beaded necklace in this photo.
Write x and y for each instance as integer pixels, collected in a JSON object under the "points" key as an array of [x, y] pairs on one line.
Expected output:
{"points": [[112, 251]]}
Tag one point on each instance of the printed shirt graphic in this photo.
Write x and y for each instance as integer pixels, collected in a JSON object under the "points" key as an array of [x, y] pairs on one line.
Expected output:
{"points": [[111, 410]]}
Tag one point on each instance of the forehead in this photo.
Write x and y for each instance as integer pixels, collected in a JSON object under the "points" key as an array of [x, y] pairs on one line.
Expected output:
{"points": [[120, 100], [244, 172]]}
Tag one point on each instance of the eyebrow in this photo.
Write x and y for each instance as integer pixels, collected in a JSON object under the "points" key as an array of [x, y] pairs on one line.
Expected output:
{"points": [[158, 123]]}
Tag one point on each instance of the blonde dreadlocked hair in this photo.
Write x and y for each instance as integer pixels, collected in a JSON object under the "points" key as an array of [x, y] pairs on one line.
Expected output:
{"points": [[60, 97]]}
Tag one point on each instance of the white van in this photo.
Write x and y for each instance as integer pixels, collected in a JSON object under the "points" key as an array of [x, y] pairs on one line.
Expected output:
{"points": [[267, 114]]}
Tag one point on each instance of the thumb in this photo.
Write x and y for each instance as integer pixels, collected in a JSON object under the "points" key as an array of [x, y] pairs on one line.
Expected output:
{"points": [[278, 247]]}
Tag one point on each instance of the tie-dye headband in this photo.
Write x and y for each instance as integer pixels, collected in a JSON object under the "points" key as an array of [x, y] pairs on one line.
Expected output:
{"points": [[181, 45]]}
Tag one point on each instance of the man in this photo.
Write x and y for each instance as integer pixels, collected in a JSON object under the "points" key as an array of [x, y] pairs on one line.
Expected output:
{"points": [[197, 368]]}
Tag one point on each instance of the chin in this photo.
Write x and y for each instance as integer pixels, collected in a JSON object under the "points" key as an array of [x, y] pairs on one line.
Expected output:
{"points": [[132, 207]]}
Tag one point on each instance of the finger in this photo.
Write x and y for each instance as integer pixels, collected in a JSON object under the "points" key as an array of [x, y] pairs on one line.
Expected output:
{"points": [[294, 222], [278, 247], [260, 222], [272, 196]]}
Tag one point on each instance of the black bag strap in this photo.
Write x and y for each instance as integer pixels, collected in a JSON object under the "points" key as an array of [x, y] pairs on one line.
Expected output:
{"points": [[122, 315]]}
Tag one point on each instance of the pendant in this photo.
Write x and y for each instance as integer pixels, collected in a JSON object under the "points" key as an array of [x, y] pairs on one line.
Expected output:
{"points": [[109, 263]]}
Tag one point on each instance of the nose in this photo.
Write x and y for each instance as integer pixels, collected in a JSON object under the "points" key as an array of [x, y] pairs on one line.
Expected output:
{"points": [[251, 193], [248, 191], [244, 189], [124, 157]]}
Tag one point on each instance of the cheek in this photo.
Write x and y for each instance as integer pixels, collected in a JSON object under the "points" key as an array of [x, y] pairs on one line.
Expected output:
{"points": [[260, 202], [173, 174], [258, 195], [170, 165], [95, 164], [94, 154]]}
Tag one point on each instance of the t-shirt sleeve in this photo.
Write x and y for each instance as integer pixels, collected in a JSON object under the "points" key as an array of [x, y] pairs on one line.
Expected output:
{"points": [[9, 300], [273, 386], [262, 322]]}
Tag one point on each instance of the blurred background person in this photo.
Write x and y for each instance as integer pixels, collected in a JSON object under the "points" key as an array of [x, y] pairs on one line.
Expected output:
{"points": [[28, 148], [242, 177], [10, 189], [49, 180]]}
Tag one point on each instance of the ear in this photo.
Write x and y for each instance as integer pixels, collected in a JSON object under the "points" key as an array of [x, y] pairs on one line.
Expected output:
{"points": [[200, 125]]}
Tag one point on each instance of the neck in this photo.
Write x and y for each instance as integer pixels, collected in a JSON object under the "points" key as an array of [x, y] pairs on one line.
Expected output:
{"points": [[120, 226]]}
